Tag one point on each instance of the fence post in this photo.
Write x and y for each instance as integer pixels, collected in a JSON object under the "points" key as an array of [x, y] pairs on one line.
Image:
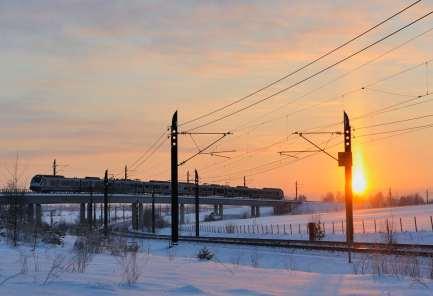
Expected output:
{"points": [[291, 233], [342, 227], [333, 227], [387, 227], [375, 228], [431, 222], [401, 226], [416, 227], [284, 228], [324, 229], [299, 228]]}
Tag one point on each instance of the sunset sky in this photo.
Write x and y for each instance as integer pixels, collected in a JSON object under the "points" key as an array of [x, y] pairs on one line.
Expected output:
{"points": [[95, 83]]}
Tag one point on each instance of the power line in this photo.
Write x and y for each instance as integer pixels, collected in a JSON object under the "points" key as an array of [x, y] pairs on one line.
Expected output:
{"points": [[148, 150], [151, 153], [312, 75], [385, 109], [396, 130], [285, 138], [392, 122], [302, 67], [248, 125]]}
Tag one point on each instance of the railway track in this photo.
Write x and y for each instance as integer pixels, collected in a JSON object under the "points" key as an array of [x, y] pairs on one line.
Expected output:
{"points": [[334, 246]]}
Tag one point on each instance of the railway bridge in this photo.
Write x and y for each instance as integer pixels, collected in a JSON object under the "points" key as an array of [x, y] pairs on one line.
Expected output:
{"points": [[88, 201]]}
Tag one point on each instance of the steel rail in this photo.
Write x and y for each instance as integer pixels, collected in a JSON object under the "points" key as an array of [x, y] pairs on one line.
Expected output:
{"points": [[334, 246]]}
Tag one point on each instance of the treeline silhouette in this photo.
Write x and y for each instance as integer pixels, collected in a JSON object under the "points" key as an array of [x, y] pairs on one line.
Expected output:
{"points": [[378, 200]]}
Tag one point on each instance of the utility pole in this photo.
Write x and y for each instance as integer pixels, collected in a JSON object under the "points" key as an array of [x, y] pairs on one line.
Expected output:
{"points": [[389, 196], [126, 172], [153, 211], [345, 159], [245, 182], [174, 181], [106, 203], [187, 176], [197, 206], [426, 195], [296, 190], [55, 167], [174, 169]]}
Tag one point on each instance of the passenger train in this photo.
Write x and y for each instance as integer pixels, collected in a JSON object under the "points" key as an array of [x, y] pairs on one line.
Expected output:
{"points": [[50, 183]]}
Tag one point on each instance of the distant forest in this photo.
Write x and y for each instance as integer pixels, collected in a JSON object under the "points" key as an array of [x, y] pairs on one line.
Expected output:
{"points": [[379, 200]]}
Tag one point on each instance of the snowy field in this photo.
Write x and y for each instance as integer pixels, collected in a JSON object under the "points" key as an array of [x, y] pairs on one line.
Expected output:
{"points": [[234, 270], [410, 224]]}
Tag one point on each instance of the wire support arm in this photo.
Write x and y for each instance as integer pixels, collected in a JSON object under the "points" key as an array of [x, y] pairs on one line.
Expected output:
{"points": [[201, 151]]}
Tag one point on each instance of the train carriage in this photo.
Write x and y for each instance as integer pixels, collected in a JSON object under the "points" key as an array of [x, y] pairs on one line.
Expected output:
{"points": [[49, 183]]}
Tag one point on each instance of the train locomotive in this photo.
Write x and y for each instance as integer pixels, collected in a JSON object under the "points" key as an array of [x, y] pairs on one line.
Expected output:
{"points": [[50, 183]]}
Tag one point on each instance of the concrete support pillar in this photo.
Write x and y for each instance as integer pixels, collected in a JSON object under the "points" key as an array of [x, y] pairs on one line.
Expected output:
{"points": [[82, 213], [140, 216], [257, 211], [182, 213], [115, 213], [253, 211], [101, 214], [221, 210], [30, 213], [94, 213], [134, 211], [38, 214], [90, 213]]}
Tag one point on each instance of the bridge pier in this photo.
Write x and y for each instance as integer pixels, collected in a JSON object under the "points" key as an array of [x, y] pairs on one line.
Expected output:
{"points": [[140, 216], [101, 214], [255, 211], [215, 209], [282, 209], [38, 214], [82, 213], [182, 213], [89, 214], [30, 213], [221, 210], [134, 217]]}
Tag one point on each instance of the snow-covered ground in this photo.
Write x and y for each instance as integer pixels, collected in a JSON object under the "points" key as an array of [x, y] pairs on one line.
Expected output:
{"points": [[233, 271], [410, 224]]}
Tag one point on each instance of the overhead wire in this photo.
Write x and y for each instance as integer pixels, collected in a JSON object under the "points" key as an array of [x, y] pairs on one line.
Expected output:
{"points": [[148, 150], [312, 75], [255, 124], [302, 67]]}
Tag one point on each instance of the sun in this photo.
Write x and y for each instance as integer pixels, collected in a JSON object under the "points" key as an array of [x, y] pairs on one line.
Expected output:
{"points": [[359, 181]]}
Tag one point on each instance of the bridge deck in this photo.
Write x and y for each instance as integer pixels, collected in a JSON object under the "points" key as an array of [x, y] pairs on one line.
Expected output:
{"points": [[76, 198]]}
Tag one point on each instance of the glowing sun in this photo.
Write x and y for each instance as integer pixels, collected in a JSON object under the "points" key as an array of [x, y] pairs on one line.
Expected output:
{"points": [[359, 181]]}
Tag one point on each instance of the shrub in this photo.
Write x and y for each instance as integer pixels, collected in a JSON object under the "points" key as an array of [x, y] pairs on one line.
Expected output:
{"points": [[205, 254]]}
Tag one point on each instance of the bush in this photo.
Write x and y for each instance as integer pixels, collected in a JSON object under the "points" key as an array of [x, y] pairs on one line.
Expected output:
{"points": [[205, 254], [130, 268], [209, 218], [52, 238]]}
